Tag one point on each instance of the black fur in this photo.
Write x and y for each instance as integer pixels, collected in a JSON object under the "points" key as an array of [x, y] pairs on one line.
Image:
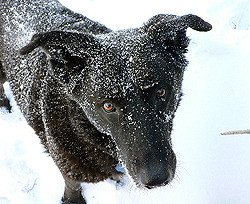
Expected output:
{"points": [[4, 101], [73, 67]]}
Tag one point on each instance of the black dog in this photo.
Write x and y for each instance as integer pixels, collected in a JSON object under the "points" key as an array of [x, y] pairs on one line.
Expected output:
{"points": [[94, 96]]}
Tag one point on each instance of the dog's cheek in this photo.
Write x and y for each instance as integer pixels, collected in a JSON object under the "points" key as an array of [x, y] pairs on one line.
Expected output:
{"points": [[96, 116]]}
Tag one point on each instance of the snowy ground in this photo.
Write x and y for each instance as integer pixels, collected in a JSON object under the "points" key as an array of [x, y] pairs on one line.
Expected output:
{"points": [[212, 168]]}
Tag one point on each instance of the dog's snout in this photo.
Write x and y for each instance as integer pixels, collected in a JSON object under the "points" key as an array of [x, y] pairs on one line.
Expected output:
{"points": [[156, 173], [153, 179]]}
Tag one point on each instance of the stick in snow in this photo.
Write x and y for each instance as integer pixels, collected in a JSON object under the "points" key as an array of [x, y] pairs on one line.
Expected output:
{"points": [[236, 132]]}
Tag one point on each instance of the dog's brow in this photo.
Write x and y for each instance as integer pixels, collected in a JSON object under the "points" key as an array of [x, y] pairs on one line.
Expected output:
{"points": [[149, 86]]}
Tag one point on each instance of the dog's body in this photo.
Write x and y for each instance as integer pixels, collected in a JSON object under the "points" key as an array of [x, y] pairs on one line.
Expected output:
{"points": [[96, 97]]}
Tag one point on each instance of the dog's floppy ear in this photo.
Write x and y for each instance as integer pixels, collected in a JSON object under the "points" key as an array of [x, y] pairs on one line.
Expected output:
{"points": [[68, 52], [170, 30]]}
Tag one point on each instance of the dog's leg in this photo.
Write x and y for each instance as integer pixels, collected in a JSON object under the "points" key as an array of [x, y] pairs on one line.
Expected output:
{"points": [[4, 101], [72, 193]]}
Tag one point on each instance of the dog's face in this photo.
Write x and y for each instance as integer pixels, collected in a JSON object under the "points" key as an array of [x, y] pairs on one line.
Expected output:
{"points": [[133, 97], [128, 84]]}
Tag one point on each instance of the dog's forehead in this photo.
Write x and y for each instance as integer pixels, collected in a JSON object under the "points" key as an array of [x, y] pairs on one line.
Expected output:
{"points": [[128, 62], [111, 82], [128, 51], [128, 46]]}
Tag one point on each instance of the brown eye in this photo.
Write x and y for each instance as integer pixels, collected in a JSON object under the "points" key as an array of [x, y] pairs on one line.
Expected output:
{"points": [[161, 92], [108, 106]]}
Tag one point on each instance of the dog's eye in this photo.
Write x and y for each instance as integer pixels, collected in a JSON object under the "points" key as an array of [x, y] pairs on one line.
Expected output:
{"points": [[108, 106], [161, 92]]}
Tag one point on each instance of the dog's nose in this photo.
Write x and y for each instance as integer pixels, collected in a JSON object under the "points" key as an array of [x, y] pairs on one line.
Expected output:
{"points": [[156, 170], [154, 177]]}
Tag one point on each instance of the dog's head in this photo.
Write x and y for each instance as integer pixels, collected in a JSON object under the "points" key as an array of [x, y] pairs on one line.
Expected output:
{"points": [[128, 84]]}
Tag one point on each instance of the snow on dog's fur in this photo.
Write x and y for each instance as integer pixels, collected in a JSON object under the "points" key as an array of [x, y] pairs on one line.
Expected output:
{"points": [[96, 97]]}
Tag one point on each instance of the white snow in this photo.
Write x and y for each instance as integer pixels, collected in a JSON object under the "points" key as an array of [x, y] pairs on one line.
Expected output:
{"points": [[211, 168]]}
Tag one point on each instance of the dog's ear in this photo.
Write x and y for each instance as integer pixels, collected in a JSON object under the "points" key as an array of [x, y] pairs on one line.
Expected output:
{"points": [[170, 30], [68, 53]]}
